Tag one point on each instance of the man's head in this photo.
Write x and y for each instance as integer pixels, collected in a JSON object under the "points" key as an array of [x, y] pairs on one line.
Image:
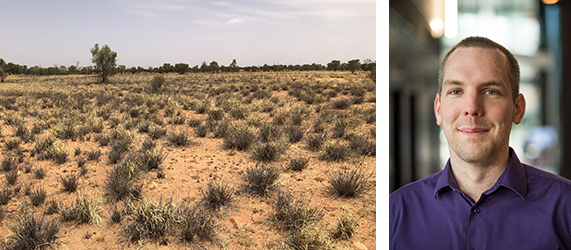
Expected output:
{"points": [[477, 102], [482, 42]]}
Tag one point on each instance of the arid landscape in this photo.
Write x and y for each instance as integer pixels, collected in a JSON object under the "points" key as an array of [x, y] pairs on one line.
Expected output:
{"points": [[240, 160]]}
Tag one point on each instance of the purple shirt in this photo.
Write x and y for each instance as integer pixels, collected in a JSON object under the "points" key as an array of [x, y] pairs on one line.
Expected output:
{"points": [[527, 208]]}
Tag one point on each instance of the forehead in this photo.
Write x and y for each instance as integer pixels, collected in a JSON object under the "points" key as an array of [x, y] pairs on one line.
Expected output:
{"points": [[477, 64]]}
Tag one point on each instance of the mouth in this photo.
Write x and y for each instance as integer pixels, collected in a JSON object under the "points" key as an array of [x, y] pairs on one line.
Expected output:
{"points": [[473, 132]]}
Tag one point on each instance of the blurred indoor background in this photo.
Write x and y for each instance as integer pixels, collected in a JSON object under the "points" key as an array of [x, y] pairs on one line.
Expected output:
{"points": [[537, 32]]}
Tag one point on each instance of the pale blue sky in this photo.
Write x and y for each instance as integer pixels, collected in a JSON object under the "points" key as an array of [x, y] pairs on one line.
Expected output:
{"points": [[150, 33]]}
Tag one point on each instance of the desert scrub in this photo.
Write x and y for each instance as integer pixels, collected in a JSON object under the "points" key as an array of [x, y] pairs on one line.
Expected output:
{"points": [[215, 113], [83, 210], [346, 225], [13, 144], [239, 136], [120, 184], [52, 208], [202, 129], [260, 179], [156, 132], [217, 194], [150, 219], [294, 133], [37, 197], [93, 155], [269, 151], [11, 176], [69, 183], [149, 158], [360, 145], [8, 163], [293, 214], [197, 225], [29, 232], [299, 163], [178, 138], [309, 237], [314, 142], [349, 183], [269, 132], [5, 195], [39, 173], [343, 103], [336, 152]]}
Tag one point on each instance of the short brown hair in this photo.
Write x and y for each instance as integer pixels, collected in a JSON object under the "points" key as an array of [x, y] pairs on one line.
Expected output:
{"points": [[482, 42]]}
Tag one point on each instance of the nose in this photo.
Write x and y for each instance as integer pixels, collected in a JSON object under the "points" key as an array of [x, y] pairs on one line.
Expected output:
{"points": [[473, 105]]}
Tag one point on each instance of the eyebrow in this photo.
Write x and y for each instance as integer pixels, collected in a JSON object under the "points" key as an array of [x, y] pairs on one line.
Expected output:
{"points": [[484, 84]]}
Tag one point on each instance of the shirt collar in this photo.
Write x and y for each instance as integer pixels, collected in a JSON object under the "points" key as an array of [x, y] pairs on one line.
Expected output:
{"points": [[513, 178]]}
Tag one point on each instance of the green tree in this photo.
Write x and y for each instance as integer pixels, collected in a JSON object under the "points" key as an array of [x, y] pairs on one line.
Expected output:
{"points": [[2, 75], [214, 67], [181, 68], [353, 65], [334, 65], [234, 66], [105, 60]]}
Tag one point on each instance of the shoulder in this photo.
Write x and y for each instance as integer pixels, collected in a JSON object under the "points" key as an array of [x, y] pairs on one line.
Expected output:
{"points": [[541, 181], [538, 175], [420, 187]]}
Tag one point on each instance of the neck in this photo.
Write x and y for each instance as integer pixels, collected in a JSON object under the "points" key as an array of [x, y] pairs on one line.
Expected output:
{"points": [[476, 178]]}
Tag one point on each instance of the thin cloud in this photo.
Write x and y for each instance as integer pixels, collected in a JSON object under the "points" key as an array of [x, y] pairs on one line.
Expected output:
{"points": [[150, 9], [235, 21]]}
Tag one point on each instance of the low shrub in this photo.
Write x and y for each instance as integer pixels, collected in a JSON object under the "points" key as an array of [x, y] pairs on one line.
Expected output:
{"points": [[335, 152], [346, 225], [178, 139], [239, 136], [218, 194], [5, 195], [293, 214], [294, 133], [349, 183], [69, 183], [151, 219], [29, 232], [362, 146], [39, 173], [120, 184], [269, 151], [299, 163], [11, 176], [37, 197], [84, 209], [269, 132], [314, 142], [197, 225], [260, 179]]}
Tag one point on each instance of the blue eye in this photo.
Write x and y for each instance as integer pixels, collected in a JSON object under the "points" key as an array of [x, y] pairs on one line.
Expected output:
{"points": [[454, 92], [491, 92]]}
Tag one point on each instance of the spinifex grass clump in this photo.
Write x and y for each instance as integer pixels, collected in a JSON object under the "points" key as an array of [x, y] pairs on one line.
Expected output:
{"points": [[261, 179], [69, 183], [120, 183], [84, 209], [150, 219], [197, 225], [299, 163], [335, 152], [178, 139], [346, 225], [37, 197], [218, 194], [269, 151], [314, 142], [293, 214], [5, 195], [349, 183], [239, 136], [362, 146], [29, 232]]}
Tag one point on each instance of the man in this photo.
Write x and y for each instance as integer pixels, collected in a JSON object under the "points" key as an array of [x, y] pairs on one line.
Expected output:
{"points": [[485, 198]]}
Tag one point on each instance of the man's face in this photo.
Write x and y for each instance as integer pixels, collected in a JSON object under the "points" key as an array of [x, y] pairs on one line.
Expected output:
{"points": [[476, 108]]}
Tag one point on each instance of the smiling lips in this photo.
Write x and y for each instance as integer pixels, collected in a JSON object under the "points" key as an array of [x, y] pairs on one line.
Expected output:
{"points": [[473, 131]]}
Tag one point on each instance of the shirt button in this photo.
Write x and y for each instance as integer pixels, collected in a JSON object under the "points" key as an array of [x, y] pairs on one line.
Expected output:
{"points": [[477, 210]]}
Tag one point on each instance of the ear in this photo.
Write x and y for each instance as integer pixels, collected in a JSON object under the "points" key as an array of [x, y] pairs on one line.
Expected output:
{"points": [[437, 109], [519, 109]]}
